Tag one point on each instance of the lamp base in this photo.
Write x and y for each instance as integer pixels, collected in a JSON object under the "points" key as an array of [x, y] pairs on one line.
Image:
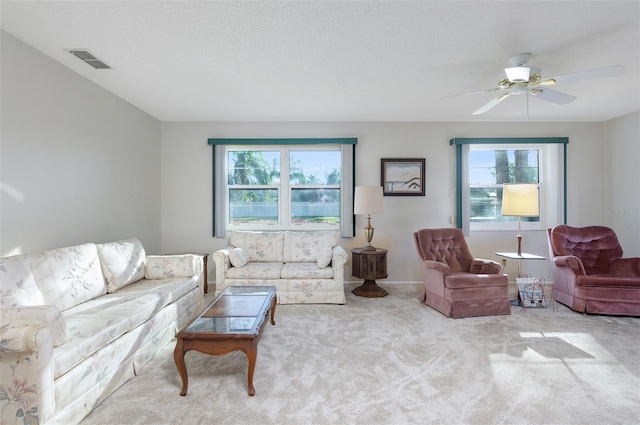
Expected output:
{"points": [[369, 248]]}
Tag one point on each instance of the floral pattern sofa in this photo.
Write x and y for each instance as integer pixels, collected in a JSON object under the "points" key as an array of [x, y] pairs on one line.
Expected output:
{"points": [[78, 322], [306, 267]]}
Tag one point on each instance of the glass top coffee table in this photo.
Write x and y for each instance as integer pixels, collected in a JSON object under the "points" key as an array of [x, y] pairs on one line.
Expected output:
{"points": [[232, 322]]}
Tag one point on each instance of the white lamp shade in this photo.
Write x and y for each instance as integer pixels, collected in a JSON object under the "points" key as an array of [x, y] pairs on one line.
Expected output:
{"points": [[368, 200], [520, 200]]}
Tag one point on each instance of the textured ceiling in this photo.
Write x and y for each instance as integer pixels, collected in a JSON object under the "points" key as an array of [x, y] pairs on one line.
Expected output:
{"points": [[337, 60]]}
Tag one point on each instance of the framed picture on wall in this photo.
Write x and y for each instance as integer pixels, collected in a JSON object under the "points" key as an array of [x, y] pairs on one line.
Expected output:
{"points": [[402, 176]]}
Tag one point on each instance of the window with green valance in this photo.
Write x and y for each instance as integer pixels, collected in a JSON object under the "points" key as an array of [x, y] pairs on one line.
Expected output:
{"points": [[483, 165], [283, 183]]}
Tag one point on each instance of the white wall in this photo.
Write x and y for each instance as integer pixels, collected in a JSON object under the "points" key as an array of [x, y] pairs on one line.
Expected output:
{"points": [[77, 164], [622, 180], [187, 175]]}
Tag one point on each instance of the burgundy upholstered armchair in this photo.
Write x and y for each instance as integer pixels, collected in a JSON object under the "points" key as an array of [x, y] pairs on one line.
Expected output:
{"points": [[455, 283], [589, 273]]}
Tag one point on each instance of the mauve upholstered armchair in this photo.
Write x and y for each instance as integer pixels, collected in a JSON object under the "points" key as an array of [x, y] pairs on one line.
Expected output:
{"points": [[455, 283], [589, 273]]}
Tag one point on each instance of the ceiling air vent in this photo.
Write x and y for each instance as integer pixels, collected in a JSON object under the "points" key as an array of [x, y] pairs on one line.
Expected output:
{"points": [[89, 58]]}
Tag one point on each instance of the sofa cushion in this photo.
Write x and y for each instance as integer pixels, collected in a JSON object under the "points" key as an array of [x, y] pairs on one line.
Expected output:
{"points": [[238, 257], [609, 281], [169, 266], [304, 247], [122, 262], [68, 276], [176, 287], [305, 271], [471, 280], [256, 270], [18, 287], [261, 246], [96, 323], [324, 257]]}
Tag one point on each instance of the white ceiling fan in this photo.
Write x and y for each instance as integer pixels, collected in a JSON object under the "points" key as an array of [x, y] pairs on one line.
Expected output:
{"points": [[525, 79]]}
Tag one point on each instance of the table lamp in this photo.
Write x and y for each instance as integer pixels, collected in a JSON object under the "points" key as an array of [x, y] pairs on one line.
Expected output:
{"points": [[368, 200], [520, 200]]}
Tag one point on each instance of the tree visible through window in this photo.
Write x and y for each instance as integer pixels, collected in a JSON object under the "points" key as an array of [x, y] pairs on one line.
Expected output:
{"points": [[483, 165], [253, 186], [314, 179], [488, 170]]}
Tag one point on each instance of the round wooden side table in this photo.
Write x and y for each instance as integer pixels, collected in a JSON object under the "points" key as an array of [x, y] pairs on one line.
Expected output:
{"points": [[369, 265]]}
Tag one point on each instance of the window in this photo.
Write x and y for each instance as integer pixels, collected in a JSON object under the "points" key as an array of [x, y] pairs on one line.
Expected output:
{"points": [[268, 184], [286, 187], [483, 165], [488, 169]]}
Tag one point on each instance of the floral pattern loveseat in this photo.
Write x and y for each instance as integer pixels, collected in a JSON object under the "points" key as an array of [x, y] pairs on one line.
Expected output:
{"points": [[306, 267], [78, 322]]}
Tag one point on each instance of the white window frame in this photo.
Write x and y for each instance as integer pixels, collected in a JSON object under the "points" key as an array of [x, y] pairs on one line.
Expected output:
{"points": [[551, 175], [220, 200], [283, 187]]}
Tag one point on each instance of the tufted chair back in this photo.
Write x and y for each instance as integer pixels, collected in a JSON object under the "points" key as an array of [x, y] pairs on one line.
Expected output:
{"points": [[445, 246], [596, 246]]}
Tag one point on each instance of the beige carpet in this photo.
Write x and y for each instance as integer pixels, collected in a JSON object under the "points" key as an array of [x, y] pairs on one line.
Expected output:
{"points": [[393, 360]]}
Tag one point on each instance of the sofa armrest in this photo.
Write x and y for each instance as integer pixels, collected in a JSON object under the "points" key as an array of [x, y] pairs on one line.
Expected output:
{"points": [[26, 370], [338, 260], [627, 267], [340, 256], [571, 262], [481, 266], [32, 317], [222, 263], [170, 266], [25, 336]]}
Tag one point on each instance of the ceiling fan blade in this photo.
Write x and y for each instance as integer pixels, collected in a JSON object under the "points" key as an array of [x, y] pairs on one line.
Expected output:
{"points": [[591, 74], [553, 96], [472, 92], [493, 102]]}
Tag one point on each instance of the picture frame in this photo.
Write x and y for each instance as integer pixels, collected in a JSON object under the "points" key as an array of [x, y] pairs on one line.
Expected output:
{"points": [[402, 176]]}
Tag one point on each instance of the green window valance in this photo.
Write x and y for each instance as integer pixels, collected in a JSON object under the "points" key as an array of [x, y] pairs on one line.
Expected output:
{"points": [[287, 141]]}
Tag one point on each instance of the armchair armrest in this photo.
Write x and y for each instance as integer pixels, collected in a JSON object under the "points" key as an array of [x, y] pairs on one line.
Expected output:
{"points": [[627, 267], [481, 266], [438, 266], [433, 274], [570, 261]]}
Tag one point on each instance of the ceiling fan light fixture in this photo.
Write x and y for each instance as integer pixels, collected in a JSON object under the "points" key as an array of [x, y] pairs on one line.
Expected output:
{"points": [[518, 74], [519, 89]]}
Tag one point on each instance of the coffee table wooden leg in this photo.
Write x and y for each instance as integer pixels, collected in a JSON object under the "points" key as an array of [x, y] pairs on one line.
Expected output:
{"points": [[252, 355], [273, 311], [178, 357]]}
